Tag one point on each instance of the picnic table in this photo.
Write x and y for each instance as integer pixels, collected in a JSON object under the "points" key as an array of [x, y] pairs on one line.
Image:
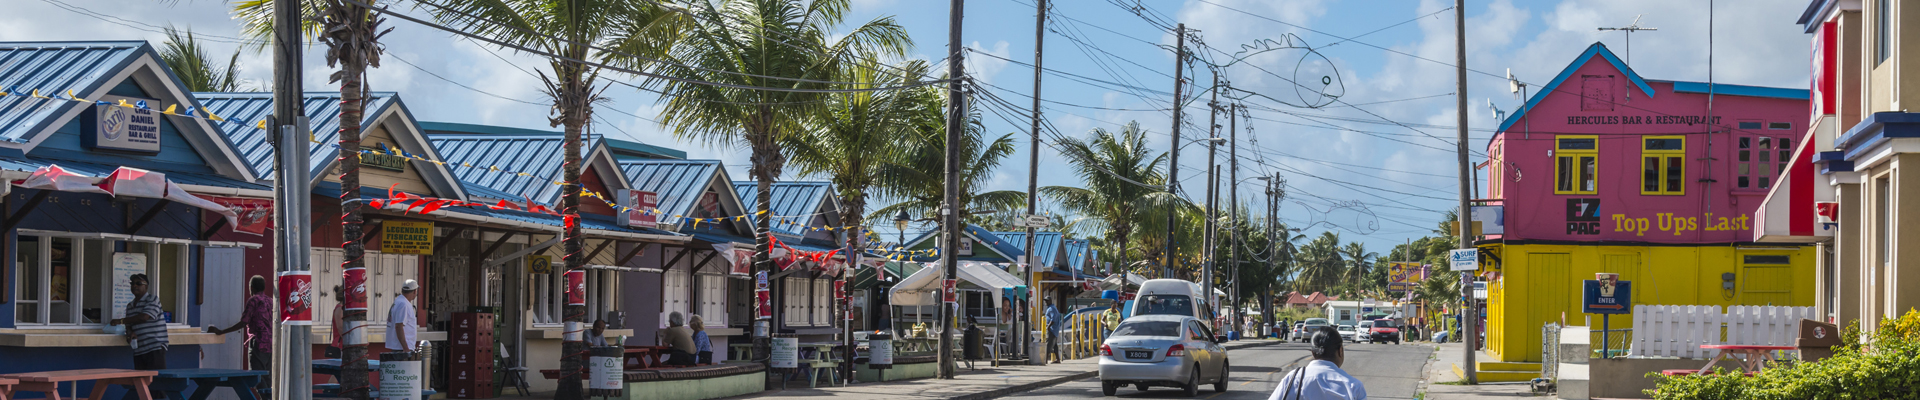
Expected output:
{"points": [[639, 357], [1755, 360], [331, 366], [48, 382], [6, 387], [173, 382]]}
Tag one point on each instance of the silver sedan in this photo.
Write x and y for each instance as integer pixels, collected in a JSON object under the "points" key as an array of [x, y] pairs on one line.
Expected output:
{"points": [[1162, 350]]}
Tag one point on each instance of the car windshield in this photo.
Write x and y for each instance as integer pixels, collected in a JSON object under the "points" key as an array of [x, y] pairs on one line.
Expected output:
{"points": [[1165, 304], [1316, 321], [1346, 328], [1148, 328], [1383, 324]]}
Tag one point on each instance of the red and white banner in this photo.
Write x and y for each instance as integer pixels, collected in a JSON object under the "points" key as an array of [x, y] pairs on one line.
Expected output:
{"points": [[124, 181], [576, 287], [354, 282], [296, 298]]}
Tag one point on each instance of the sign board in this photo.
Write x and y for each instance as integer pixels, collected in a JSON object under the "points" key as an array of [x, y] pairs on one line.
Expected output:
{"points": [[946, 287], [296, 297], [406, 237], [400, 380], [638, 203], [1038, 222], [786, 353], [1402, 275], [1607, 296], [966, 246], [539, 264], [354, 281], [114, 127], [382, 158], [576, 287], [1489, 220], [605, 369], [125, 265], [1464, 260], [880, 352]]}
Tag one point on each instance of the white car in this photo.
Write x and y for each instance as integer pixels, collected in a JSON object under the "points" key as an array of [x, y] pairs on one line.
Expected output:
{"points": [[1347, 332]]}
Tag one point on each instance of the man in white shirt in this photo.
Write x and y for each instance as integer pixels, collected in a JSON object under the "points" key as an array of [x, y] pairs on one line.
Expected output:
{"points": [[1321, 378], [401, 323]]}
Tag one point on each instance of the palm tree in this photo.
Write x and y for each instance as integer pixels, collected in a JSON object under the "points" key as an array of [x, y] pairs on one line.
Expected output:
{"points": [[1359, 268], [188, 59], [1320, 263], [855, 133], [915, 176], [569, 32], [1120, 177]]}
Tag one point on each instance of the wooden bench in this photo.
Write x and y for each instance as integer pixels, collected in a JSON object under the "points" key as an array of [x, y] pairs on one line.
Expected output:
{"points": [[6, 388], [48, 382], [173, 382]]}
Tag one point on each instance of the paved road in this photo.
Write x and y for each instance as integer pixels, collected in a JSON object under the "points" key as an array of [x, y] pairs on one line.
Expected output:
{"points": [[1389, 371]]}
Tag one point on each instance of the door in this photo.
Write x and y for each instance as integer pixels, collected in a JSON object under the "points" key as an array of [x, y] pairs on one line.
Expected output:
{"points": [[226, 293], [1550, 291]]}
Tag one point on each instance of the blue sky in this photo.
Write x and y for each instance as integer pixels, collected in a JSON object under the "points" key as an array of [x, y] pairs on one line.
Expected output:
{"points": [[1381, 186]]}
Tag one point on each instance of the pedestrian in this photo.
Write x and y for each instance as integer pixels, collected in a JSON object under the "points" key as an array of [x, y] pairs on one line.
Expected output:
{"points": [[679, 341], [1322, 378], [339, 344], [702, 345], [146, 330], [1053, 329], [257, 318], [402, 326], [1110, 319]]}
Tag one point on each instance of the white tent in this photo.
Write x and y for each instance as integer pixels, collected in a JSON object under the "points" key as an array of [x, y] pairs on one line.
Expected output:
{"points": [[914, 289], [1113, 282]]}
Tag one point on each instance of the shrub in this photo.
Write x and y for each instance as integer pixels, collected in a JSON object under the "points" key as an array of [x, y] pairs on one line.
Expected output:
{"points": [[1886, 367]]}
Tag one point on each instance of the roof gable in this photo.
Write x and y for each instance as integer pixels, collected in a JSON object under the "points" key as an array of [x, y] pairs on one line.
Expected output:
{"points": [[381, 109], [1046, 246], [681, 183], [790, 200], [1005, 248], [1595, 50], [59, 71]]}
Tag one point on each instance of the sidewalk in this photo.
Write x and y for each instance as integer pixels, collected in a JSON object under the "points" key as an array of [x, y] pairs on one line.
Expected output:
{"points": [[984, 382], [1443, 384]]}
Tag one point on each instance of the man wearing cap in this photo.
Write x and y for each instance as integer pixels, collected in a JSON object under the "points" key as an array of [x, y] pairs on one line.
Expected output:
{"points": [[145, 329], [401, 324], [1322, 377]]}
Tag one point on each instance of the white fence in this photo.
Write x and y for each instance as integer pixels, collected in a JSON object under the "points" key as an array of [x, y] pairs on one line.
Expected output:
{"points": [[1679, 331]]}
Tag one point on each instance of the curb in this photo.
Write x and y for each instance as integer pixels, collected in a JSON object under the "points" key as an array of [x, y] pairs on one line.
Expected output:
{"points": [[1027, 387]]}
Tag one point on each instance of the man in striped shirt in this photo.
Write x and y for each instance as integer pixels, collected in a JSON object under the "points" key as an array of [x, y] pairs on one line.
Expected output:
{"points": [[145, 329]]}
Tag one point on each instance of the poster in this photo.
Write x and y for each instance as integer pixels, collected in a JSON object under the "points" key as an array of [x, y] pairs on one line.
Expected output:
{"points": [[786, 353], [539, 264], [125, 265], [576, 287], [406, 237], [354, 282], [296, 298], [400, 380]]}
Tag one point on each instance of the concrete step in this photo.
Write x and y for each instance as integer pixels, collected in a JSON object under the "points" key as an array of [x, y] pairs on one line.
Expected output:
{"points": [[1572, 384], [1498, 376], [1508, 366]]}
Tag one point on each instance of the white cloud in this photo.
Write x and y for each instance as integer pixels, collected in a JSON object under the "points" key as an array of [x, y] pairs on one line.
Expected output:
{"points": [[986, 68]]}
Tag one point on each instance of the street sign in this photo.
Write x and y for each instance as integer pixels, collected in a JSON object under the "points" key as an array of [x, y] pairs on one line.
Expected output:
{"points": [[1464, 260], [1038, 221], [1607, 295]]}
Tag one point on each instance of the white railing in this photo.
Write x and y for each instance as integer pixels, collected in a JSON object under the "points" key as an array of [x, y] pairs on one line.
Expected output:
{"points": [[1679, 331]]}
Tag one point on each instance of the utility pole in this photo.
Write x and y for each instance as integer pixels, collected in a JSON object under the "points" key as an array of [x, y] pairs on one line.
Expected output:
{"points": [[1273, 232], [1033, 181], [1173, 163], [1462, 219], [1233, 216], [1208, 250], [293, 364], [950, 210]]}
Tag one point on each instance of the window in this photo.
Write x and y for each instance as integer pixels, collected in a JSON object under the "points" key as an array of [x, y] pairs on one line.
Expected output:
{"points": [[1883, 30], [1767, 279], [1760, 161], [713, 300], [820, 302], [1663, 161], [603, 291], [980, 306], [1159, 304], [1749, 125], [1779, 125], [1147, 328], [70, 281], [1576, 161], [1883, 192], [1346, 315]]}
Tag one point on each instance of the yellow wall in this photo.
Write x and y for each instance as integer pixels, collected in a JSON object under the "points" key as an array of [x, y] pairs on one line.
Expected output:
{"points": [[1539, 283]]}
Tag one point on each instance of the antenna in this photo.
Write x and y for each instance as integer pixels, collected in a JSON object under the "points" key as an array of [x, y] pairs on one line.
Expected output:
{"points": [[1497, 114], [1515, 86], [1630, 29]]}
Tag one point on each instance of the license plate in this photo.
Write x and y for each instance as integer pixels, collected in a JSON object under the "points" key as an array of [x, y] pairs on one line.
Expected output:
{"points": [[1139, 354]]}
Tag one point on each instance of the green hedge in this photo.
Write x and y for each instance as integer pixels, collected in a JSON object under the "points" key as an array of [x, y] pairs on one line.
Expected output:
{"points": [[1886, 368]]}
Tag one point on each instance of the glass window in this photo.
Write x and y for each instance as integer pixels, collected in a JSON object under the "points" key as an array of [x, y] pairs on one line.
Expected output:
{"points": [[1663, 165], [1157, 304], [69, 281], [1883, 30], [1148, 328], [1749, 125], [1760, 160], [1779, 125], [1576, 165], [27, 292]]}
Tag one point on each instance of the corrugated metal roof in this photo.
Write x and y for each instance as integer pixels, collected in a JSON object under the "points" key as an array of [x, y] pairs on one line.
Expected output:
{"points": [[1007, 247], [1046, 246], [523, 165], [679, 183], [622, 149], [1078, 252], [98, 170], [587, 221], [243, 110], [789, 199], [53, 68], [481, 191]]}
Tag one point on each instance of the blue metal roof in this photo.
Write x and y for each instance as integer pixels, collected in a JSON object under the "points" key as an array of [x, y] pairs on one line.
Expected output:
{"points": [[243, 111], [789, 199], [523, 165], [621, 149], [1741, 90], [53, 68], [1595, 50], [587, 221], [679, 183], [1005, 247], [1046, 246], [481, 191], [98, 170], [1079, 253]]}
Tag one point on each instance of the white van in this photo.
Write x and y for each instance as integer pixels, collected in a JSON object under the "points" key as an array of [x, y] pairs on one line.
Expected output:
{"points": [[1173, 297]]}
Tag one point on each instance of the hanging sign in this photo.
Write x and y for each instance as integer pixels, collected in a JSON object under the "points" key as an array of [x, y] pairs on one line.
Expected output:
{"points": [[124, 128], [1464, 259], [946, 290], [125, 265], [296, 298], [638, 203], [354, 281], [383, 158], [762, 295], [577, 287], [539, 264], [406, 237]]}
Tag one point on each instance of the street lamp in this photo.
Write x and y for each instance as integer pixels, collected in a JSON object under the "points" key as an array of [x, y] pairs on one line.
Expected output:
{"points": [[900, 222]]}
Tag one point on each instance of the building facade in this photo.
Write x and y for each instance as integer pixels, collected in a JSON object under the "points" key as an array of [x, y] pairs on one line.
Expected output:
{"points": [[1604, 171]]}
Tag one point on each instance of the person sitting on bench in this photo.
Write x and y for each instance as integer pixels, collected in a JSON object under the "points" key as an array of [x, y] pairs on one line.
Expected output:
{"points": [[679, 340]]}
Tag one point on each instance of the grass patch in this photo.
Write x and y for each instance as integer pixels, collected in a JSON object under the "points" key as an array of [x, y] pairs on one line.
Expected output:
{"points": [[1461, 382]]}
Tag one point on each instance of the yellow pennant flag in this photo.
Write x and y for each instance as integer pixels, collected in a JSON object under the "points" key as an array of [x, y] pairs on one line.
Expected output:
{"points": [[262, 125], [216, 118]]}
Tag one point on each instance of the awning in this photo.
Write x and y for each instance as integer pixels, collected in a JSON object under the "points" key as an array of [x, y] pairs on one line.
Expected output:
{"points": [[913, 290], [1792, 211], [124, 182], [867, 278]]}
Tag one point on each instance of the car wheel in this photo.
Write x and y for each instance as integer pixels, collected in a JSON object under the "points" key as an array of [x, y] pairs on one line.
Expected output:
{"points": [[1220, 386], [1193, 382], [1108, 387], [1140, 386]]}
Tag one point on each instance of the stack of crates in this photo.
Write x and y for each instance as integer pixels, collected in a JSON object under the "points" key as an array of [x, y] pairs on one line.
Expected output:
{"points": [[470, 360]]}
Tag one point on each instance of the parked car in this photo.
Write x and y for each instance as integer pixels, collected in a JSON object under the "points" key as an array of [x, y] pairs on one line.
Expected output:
{"points": [[1294, 334], [1308, 327], [1382, 331], [1162, 350], [1347, 332]]}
